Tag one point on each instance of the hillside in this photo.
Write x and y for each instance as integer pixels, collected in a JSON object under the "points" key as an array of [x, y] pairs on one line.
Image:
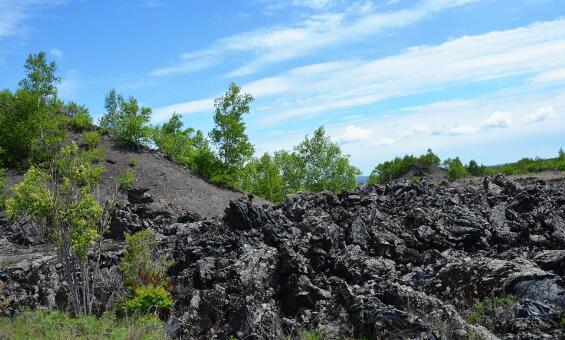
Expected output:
{"points": [[170, 185]]}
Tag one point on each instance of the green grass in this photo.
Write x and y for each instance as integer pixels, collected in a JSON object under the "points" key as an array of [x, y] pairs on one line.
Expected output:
{"points": [[127, 179], [132, 161], [492, 311], [310, 335], [57, 325], [528, 165]]}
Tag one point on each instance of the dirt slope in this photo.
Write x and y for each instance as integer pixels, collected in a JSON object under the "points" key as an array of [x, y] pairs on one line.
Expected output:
{"points": [[171, 185]]}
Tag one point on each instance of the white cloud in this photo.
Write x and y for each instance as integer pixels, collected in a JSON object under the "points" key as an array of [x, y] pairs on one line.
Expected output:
{"points": [[308, 91], [540, 115], [316, 4], [498, 120], [56, 52], [456, 130], [384, 141], [355, 133], [14, 15], [163, 113], [271, 45], [551, 76]]}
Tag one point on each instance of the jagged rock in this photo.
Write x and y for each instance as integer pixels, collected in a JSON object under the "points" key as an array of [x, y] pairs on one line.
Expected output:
{"points": [[139, 196], [404, 260]]}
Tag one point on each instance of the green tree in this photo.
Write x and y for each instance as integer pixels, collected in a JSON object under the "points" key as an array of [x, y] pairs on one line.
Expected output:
{"points": [[40, 78], [474, 169], [30, 125], [561, 154], [126, 120], [80, 119], [178, 144], [229, 136], [63, 205], [262, 176], [397, 167], [292, 170], [325, 166], [455, 168]]}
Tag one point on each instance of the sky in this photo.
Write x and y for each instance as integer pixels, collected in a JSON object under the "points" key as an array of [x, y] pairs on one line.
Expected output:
{"points": [[478, 79]]}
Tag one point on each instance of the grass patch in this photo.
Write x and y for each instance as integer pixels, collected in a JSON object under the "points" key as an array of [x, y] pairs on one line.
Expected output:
{"points": [[492, 312], [57, 325], [127, 179], [132, 161], [310, 335]]}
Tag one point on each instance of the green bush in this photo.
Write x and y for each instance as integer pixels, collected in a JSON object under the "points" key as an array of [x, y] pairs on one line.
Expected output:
{"points": [[142, 265], [69, 213], [127, 179], [310, 335], [126, 120], [528, 165], [57, 325], [316, 164], [491, 312], [90, 139], [80, 120], [145, 274], [149, 299], [455, 169], [399, 166], [132, 161]]}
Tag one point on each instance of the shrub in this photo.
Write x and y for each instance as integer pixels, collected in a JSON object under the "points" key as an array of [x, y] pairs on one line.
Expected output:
{"points": [[399, 166], [310, 335], [491, 312], [90, 139], [80, 119], [57, 325], [126, 120], [455, 169], [149, 299], [141, 264], [145, 274], [132, 161], [70, 214], [127, 179]]}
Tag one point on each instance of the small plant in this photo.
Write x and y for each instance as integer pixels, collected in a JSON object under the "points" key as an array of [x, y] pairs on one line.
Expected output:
{"points": [[149, 299], [132, 161], [141, 264], [310, 335], [127, 179], [492, 312], [90, 139], [145, 275]]}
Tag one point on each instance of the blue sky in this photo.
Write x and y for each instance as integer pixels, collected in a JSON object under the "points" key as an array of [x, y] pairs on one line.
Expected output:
{"points": [[482, 79]]}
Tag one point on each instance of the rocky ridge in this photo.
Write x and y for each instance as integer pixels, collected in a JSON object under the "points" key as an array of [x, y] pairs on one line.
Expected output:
{"points": [[404, 260]]}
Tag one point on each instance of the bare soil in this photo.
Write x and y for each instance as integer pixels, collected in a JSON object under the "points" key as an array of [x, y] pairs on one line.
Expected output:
{"points": [[171, 185]]}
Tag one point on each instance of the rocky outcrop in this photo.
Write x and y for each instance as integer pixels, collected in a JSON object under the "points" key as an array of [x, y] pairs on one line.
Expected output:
{"points": [[404, 260]]}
